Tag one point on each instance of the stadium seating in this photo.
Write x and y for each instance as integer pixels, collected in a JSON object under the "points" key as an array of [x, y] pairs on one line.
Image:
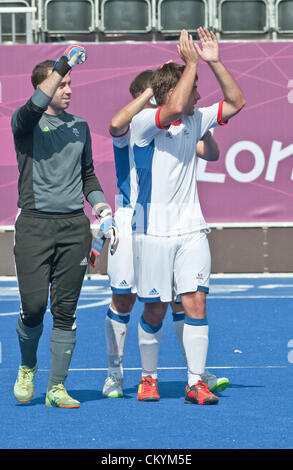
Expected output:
{"points": [[284, 16], [69, 16], [132, 16], [243, 17], [143, 20], [174, 15]]}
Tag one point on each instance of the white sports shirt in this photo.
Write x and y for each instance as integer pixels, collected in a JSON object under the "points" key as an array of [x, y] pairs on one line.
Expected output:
{"points": [[165, 159], [126, 179]]}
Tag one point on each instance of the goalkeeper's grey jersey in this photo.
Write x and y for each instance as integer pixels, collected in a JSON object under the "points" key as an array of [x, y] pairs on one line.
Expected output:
{"points": [[54, 157]]}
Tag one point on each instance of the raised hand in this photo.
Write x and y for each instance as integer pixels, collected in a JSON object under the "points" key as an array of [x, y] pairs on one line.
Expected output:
{"points": [[72, 56], [75, 55], [209, 51], [186, 49]]}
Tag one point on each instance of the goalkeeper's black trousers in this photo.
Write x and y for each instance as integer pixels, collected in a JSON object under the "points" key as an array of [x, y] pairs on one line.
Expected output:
{"points": [[51, 254]]}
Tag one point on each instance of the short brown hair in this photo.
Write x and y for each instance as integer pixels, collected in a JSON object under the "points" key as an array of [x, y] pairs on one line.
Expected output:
{"points": [[165, 78], [40, 72], [140, 83]]}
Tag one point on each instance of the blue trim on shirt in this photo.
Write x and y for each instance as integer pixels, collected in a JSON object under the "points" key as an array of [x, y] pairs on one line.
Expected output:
{"points": [[143, 157], [122, 165]]}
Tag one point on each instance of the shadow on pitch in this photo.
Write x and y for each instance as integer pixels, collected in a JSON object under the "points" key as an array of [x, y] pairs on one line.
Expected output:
{"points": [[167, 389], [81, 395], [172, 389], [176, 389]]}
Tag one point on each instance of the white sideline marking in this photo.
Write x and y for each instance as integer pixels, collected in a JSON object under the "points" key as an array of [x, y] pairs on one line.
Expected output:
{"points": [[79, 307], [102, 369], [215, 297], [105, 369]]}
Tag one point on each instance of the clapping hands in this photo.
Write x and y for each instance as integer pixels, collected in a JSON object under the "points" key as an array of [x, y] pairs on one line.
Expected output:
{"points": [[208, 50]]}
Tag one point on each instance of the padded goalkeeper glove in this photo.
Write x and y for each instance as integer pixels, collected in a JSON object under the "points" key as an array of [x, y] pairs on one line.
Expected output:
{"points": [[72, 56], [107, 227], [96, 250]]}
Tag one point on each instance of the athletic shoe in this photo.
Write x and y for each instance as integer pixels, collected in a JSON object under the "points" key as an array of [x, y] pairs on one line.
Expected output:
{"points": [[24, 385], [215, 384], [113, 387], [148, 389], [59, 398], [200, 394]]}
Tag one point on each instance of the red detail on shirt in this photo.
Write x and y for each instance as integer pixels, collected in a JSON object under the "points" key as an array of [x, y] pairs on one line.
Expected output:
{"points": [[121, 134], [158, 122], [219, 116], [157, 119]]}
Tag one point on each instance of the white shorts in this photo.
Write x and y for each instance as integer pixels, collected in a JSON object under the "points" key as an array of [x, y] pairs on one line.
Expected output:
{"points": [[120, 265], [165, 267]]}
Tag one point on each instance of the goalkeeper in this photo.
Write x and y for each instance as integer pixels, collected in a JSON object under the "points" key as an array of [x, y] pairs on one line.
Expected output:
{"points": [[52, 233]]}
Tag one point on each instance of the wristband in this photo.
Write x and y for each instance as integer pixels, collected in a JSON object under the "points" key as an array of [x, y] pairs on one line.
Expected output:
{"points": [[61, 66], [102, 208]]}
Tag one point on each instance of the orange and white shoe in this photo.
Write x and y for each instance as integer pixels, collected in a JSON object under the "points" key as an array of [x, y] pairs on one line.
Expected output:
{"points": [[148, 389], [199, 394]]}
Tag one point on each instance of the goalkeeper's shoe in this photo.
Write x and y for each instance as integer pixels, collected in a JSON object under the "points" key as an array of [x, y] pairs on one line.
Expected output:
{"points": [[59, 398], [216, 384], [148, 389], [24, 385], [199, 394], [113, 386]]}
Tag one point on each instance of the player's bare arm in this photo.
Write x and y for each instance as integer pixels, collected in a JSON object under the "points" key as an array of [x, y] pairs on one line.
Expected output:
{"points": [[209, 52], [120, 122], [178, 97], [207, 148]]}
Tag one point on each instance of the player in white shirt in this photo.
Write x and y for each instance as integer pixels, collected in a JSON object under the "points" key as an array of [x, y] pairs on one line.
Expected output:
{"points": [[170, 247], [120, 265]]}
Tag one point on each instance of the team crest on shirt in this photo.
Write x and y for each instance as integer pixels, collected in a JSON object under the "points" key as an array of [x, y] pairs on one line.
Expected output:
{"points": [[75, 132]]}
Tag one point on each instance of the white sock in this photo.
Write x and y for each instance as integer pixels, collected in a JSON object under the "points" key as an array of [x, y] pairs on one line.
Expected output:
{"points": [[116, 328], [149, 339], [178, 323], [195, 341]]}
